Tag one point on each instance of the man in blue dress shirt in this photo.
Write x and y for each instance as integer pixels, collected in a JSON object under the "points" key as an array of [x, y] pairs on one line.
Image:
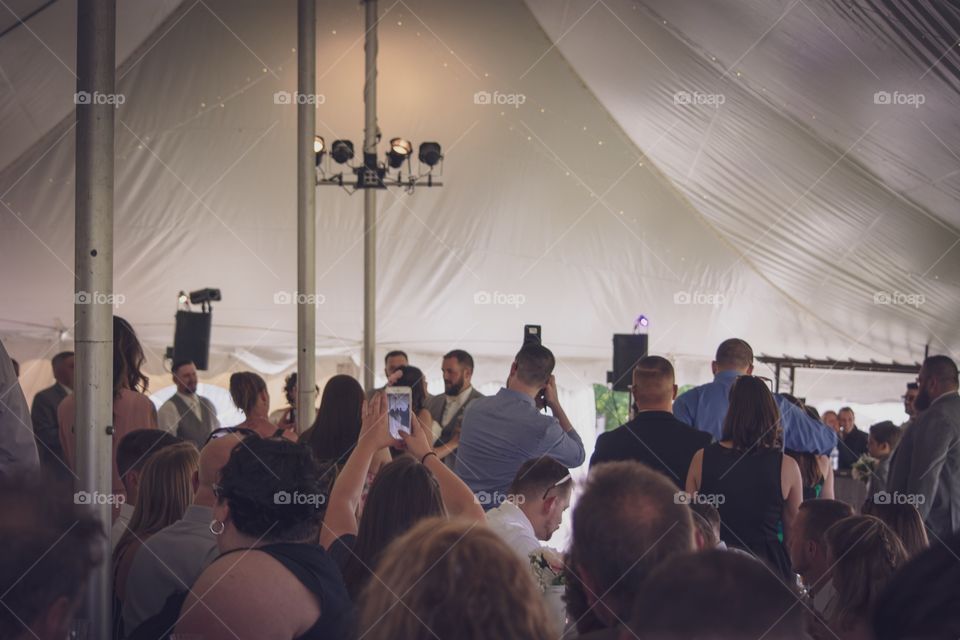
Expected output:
{"points": [[705, 407], [499, 433]]}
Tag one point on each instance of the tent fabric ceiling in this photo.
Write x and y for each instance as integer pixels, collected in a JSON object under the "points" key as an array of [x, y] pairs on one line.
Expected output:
{"points": [[577, 196]]}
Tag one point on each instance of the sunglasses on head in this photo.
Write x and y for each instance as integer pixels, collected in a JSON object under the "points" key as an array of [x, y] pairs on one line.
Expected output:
{"points": [[223, 431], [556, 484]]}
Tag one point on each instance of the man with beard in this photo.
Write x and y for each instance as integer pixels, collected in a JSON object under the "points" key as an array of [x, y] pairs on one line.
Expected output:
{"points": [[926, 465], [447, 410], [186, 414], [908, 399]]}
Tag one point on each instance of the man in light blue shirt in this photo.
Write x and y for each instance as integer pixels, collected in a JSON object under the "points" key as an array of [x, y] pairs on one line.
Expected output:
{"points": [[705, 407], [499, 433]]}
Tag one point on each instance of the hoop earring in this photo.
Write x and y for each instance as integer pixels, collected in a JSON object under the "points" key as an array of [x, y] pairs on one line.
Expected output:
{"points": [[213, 527]]}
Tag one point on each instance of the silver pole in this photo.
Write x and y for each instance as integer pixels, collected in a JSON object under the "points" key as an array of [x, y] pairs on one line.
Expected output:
{"points": [[306, 215], [96, 59], [370, 199]]}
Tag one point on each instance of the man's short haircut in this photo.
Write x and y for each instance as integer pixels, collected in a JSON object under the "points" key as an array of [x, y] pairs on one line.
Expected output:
{"points": [[535, 364], [394, 354], [60, 357], [137, 446], [912, 386], [464, 358], [734, 352], [718, 595], [820, 515], [627, 521], [886, 433], [942, 369], [653, 378], [538, 475], [179, 363], [50, 545], [842, 409]]}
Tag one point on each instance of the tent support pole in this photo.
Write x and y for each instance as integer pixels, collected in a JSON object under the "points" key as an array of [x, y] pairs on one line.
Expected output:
{"points": [[93, 312], [370, 197], [306, 215]]}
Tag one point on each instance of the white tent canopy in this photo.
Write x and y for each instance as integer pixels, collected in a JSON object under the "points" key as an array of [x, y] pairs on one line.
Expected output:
{"points": [[577, 192]]}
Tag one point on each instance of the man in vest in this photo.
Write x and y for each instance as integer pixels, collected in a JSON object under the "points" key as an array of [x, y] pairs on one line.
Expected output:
{"points": [[186, 414]]}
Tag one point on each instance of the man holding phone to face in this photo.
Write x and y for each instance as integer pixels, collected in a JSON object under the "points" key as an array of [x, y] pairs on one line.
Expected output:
{"points": [[499, 433]]}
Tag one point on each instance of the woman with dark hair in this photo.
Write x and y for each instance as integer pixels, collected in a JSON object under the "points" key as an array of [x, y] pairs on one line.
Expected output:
{"points": [[748, 478], [905, 521], [335, 431], [286, 418], [249, 393], [132, 409], [280, 582], [405, 491], [412, 377]]}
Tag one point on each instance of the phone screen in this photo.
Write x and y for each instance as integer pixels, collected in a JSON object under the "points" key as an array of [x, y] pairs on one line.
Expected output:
{"points": [[398, 410]]}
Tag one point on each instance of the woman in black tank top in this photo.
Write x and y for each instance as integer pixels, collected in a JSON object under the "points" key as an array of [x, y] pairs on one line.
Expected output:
{"points": [[272, 579], [756, 489]]}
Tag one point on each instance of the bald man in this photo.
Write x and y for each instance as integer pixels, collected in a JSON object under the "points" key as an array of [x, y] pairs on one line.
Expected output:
{"points": [[173, 558], [925, 466], [654, 438]]}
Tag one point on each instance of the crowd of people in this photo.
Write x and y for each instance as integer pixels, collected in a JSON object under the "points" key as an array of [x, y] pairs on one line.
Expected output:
{"points": [[712, 514]]}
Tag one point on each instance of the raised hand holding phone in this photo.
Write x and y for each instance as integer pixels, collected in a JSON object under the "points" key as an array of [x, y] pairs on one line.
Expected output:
{"points": [[416, 441], [374, 430]]}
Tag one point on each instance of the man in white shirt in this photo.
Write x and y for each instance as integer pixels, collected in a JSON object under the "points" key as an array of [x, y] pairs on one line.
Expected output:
{"points": [[186, 414], [807, 547], [534, 508], [447, 410], [173, 558]]}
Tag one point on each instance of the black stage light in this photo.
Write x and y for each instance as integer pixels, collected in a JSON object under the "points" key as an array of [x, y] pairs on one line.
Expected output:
{"points": [[341, 151], [204, 295], [430, 153]]}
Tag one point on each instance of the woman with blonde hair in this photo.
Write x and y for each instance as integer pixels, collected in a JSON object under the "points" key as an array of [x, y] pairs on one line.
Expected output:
{"points": [[458, 579], [167, 485], [864, 553]]}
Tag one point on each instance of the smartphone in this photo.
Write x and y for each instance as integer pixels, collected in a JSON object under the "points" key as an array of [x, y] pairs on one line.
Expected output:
{"points": [[399, 407]]}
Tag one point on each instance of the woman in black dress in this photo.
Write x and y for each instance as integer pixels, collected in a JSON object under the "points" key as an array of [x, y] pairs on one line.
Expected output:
{"points": [[748, 478]]}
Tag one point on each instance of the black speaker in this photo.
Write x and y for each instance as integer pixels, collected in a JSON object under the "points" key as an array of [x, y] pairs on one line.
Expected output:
{"points": [[191, 340], [628, 348]]}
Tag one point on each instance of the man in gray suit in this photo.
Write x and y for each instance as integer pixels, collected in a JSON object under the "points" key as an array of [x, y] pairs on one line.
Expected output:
{"points": [[925, 468], [18, 448], [448, 409], [44, 415], [186, 414]]}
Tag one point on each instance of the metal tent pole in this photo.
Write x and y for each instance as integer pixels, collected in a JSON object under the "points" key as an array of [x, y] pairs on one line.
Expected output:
{"points": [[370, 197], [306, 214], [96, 59]]}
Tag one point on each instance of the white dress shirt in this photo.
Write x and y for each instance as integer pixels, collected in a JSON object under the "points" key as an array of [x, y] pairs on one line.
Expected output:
{"points": [[514, 528], [453, 404]]}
